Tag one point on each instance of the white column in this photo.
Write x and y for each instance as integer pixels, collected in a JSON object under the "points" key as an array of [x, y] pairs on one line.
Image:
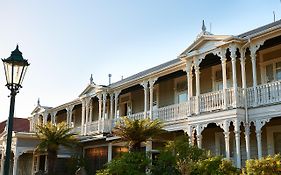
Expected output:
{"points": [[258, 135], [104, 104], [233, 49], [259, 124], [116, 94], [151, 84], [243, 71], [109, 154], [100, 105], [188, 70], [53, 117], [69, 115], [189, 133], [197, 76], [15, 165], [253, 50], [46, 163], [111, 105], [199, 130], [225, 127], [91, 112], [237, 143], [45, 116], [145, 89], [83, 116], [2, 161], [247, 140], [224, 80], [148, 146]]}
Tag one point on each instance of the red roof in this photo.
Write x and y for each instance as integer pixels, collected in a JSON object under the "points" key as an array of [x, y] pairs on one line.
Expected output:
{"points": [[20, 125]]}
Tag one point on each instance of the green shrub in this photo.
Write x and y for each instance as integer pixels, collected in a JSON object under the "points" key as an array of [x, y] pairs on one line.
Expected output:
{"points": [[132, 163], [214, 166], [165, 164], [270, 165]]}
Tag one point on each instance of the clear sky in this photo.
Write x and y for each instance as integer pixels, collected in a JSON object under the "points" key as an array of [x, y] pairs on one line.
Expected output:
{"points": [[67, 40]]}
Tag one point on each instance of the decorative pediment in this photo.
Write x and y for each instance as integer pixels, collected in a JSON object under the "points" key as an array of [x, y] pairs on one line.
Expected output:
{"points": [[206, 43], [91, 89], [39, 109]]}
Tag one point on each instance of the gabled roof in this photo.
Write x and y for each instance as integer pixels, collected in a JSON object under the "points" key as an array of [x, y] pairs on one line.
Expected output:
{"points": [[40, 108], [19, 125], [92, 88], [206, 40]]}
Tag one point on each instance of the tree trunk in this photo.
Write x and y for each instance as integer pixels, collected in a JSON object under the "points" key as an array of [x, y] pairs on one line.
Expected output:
{"points": [[136, 147], [52, 157]]}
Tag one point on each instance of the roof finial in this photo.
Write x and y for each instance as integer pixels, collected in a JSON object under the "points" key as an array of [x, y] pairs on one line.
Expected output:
{"points": [[203, 27], [91, 79], [38, 102]]}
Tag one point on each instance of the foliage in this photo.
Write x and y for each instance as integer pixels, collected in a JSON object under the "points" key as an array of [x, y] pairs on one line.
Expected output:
{"points": [[186, 155], [73, 163], [137, 131], [179, 157], [165, 164], [270, 165], [131, 163], [214, 166], [51, 137]]}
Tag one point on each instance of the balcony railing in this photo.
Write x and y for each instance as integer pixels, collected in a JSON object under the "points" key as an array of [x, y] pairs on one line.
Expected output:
{"points": [[264, 94], [213, 101]]}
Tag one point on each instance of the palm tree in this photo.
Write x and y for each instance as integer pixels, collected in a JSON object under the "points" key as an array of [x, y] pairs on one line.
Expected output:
{"points": [[137, 131], [51, 137]]}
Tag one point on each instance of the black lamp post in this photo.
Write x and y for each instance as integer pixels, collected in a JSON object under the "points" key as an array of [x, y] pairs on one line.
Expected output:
{"points": [[15, 68]]}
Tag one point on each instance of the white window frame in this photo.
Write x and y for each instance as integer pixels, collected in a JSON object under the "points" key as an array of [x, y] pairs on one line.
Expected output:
{"points": [[263, 69], [177, 93]]}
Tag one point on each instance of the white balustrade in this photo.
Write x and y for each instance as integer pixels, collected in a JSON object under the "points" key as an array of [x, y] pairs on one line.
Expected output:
{"points": [[136, 116], [211, 101], [92, 127], [266, 94], [173, 112]]}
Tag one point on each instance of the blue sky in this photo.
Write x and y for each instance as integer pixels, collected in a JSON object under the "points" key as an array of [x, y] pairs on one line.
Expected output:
{"points": [[65, 41]]}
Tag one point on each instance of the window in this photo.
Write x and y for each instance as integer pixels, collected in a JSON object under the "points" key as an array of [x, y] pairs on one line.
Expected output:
{"points": [[272, 71], [181, 90], [218, 78]]}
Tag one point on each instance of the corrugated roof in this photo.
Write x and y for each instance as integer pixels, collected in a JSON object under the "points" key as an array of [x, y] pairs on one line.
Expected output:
{"points": [[259, 29], [146, 72], [19, 125]]}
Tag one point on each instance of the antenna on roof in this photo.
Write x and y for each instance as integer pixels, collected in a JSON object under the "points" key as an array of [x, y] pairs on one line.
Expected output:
{"points": [[122, 77], [210, 27], [38, 102], [203, 27], [91, 79], [109, 79], [274, 15]]}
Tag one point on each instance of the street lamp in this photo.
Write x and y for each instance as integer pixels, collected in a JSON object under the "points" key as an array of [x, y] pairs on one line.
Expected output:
{"points": [[15, 68]]}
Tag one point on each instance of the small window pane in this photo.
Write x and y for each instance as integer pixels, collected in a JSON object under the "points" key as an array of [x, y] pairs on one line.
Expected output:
{"points": [[278, 65], [182, 97], [269, 73], [278, 74]]}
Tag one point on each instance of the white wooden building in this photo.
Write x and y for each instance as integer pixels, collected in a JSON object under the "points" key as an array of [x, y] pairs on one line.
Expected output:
{"points": [[224, 91]]}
